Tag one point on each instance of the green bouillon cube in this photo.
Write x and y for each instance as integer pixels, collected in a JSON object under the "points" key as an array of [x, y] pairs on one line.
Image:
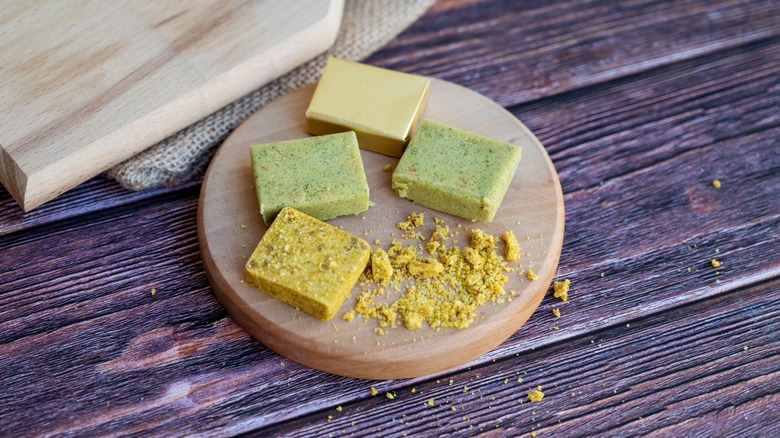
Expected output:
{"points": [[455, 171], [320, 176]]}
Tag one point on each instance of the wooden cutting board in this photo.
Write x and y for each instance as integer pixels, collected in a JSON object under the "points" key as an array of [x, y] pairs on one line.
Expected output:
{"points": [[85, 85], [230, 226]]}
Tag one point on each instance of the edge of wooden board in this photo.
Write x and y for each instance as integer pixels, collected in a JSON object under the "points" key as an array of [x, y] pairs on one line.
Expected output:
{"points": [[31, 184]]}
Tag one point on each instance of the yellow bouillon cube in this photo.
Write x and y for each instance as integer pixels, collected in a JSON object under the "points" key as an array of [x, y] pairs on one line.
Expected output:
{"points": [[380, 105], [307, 263]]}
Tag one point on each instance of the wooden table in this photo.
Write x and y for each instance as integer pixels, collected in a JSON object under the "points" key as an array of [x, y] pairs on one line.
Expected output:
{"points": [[640, 103]]}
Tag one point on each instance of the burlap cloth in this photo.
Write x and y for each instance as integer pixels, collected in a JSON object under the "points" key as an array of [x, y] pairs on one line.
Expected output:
{"points": [[366, 26]]}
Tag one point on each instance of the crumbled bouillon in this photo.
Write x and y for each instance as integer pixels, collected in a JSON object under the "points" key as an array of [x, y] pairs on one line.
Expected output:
{"points": [[443, 289]]}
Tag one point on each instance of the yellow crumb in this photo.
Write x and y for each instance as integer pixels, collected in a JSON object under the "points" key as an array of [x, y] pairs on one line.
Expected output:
{"points": [[389, 395], [430, 402], [381, 270], [437, 238], [716, 263], [388, 167], [533, 434], [373, 391], [745, 348], [531, 275], [349, 316], [556, 312], [153, 291], [338, 408], [561, 289], [512, 251], [535, 395], [425, 268], [412, 221], [716, 183], [413, 390], [443, 289]]}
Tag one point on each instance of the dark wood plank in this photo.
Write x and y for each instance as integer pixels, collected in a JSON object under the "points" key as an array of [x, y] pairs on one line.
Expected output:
{"points": [[172, 363], [74, 270], [643, 152], [678, 373], [161, 362], [613, 129], [515, 52], [92, 196]]}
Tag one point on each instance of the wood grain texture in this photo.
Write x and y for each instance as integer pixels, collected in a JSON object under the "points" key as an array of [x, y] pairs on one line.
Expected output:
{"points": [[90, 197], [708, 102], [690, 377], [87, 86], [230, 226], [173, 367], [515, 52], [87, 350]]}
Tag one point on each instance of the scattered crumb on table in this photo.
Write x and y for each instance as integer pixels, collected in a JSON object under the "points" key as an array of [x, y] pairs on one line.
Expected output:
{"points": [[561, 289], [536, 395]]}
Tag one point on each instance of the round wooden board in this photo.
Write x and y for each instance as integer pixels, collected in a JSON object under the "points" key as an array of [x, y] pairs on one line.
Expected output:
{"points": [[230, 226]]}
